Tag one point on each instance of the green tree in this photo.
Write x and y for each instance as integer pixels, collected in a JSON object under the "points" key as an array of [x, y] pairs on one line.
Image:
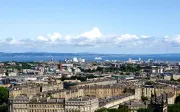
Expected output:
{"points": [[143, 98], [143, 110], [7, 74], [3, 95], [3, 99], [174, 108], [177, 100], [102, 110], [149, 83], [4, 108], [99, 69], [178, 80], [123, 109]]}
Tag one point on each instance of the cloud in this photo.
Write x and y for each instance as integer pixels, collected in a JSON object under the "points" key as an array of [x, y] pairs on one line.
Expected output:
{"points": [[177, 39], [55, 36], [11, 41], [144, 36], [126, 37], [93, 39], [52, 38], [93, 34], [41, 38], [172, 41]]}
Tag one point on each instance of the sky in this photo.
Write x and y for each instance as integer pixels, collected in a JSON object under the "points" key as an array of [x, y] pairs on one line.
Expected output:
{"points": [[95, 26]]}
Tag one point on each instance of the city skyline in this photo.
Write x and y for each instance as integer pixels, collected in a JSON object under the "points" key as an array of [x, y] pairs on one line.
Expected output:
{"points": [[112, 27]]}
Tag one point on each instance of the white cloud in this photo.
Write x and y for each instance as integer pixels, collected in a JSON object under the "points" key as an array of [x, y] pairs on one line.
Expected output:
{"points": [[11, 41], [126, 37], [93, 34], [41, 38], [93, 39], [177, 39], [51, 38], [144, 36], [15, 42], [55, 36], [166, 37]]}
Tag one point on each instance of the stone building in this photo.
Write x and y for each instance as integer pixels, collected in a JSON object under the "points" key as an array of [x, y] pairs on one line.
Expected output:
{"points": [[134, 105], [23, 103], [148, 91], [32, 89], [171, 98], [82, 104], [176, 76], [46, 105], [65, 93], [159, 103], [103, 91], [177, 89], [19, 104], [52, 86], [29, 90], [105, 81]]}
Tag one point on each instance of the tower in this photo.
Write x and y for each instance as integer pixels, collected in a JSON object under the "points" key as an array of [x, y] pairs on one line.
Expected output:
{"points": [[60, 67], [130, 61], [138, 93]]}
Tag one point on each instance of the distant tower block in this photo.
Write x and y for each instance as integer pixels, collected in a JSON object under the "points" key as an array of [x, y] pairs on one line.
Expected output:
{"points": [[60, 67], [130, 61], [52, 59]]}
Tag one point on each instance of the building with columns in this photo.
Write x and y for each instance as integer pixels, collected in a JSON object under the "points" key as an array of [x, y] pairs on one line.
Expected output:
{"points": [[23, 103], [82, 104]]}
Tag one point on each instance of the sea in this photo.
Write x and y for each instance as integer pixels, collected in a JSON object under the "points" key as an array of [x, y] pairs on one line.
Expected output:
{"points": [[25, 57]]}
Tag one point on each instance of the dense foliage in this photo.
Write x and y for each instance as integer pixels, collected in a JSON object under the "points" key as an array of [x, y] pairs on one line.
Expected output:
{"points": [[4, 108], [113, 110], [174, 108], [143, 98], [171, 108], [19, 65], [3, 95], [3, 99], [177, 100], [124, 68], [143, 110], [149, 83]]}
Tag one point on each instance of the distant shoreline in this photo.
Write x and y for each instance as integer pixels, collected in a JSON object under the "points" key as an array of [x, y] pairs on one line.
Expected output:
{"points": [[86, 56]]}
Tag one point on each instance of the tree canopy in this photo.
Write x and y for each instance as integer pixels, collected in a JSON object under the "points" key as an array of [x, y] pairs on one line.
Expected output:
{"points": [[3, 99], [123, 109], [4, 108], [174, 108], [177, 100], [3, 95], [143, 98]]}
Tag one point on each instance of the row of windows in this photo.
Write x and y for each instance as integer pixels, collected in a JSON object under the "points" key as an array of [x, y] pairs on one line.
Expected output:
{"points": [[102, 91], [20, 105], [46, 110], [38, 110], [46, 106]]}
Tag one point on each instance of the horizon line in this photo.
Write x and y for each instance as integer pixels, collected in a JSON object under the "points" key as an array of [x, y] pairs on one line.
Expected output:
{"points": [[91, 53]]}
